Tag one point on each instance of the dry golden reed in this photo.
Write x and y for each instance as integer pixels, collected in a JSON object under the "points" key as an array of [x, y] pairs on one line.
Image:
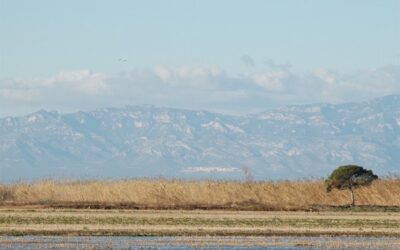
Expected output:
{"points": [[180, 193]]}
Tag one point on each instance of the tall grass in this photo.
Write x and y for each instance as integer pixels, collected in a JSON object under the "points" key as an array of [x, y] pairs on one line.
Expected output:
{"points": [[179, 193]]}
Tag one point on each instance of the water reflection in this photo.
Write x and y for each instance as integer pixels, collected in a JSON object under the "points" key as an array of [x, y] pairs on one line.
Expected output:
{"points": [[276, 243]]}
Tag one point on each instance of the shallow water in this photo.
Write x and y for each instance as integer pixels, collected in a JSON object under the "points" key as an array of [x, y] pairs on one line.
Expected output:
{"points": [[276, 243]]}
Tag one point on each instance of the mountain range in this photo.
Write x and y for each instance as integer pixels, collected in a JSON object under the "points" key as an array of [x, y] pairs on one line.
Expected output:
{"points": [[146, 141]]}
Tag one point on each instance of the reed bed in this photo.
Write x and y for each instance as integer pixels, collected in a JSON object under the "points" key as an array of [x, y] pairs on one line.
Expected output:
{"points": [[162, 193]]}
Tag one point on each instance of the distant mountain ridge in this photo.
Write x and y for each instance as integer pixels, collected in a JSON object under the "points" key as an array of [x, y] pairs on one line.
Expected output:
{"points": [[147, 141]]}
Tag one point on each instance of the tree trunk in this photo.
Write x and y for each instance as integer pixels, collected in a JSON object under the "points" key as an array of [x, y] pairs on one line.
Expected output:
{"points": [[352, 196]]}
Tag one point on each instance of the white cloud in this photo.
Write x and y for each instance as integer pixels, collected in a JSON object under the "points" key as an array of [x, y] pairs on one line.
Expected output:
{"points": [[162, 72], [194, 87], [325, 75], [188, 76], [81, 80], [272, 80], [16, 95]]}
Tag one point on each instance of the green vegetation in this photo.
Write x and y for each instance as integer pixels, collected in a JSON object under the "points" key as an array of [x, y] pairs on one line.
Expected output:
{"points": [[211, 222], [349, 177]]}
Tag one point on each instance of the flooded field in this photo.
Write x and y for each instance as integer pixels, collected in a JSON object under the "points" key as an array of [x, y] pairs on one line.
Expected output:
{"points": [[85, 242]]}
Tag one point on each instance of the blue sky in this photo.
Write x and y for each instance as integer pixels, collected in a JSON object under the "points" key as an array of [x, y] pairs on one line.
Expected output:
{"points": [[231, 49]]}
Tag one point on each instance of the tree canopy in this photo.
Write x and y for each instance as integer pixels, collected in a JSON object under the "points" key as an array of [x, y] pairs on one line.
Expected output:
{"points": [[349, 177]]}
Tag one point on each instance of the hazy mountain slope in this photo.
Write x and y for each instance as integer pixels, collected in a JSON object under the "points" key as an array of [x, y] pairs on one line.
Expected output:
{"points": [[295, 141]]}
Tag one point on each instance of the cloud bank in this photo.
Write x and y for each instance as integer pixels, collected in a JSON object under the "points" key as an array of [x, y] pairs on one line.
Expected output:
{"points": [[210, 88]]}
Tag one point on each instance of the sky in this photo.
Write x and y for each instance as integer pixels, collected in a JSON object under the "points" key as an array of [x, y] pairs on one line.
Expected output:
{"points": [[227, 56]]}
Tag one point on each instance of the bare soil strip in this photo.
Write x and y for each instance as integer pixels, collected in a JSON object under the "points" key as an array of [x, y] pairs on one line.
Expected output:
{"points": [[245, 206]]}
